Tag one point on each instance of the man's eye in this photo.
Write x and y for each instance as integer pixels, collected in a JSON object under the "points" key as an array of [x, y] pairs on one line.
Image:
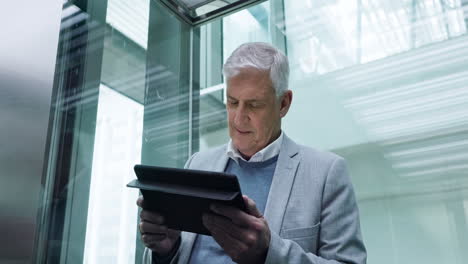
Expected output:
{"points": [[232, 102], [255, 105]]}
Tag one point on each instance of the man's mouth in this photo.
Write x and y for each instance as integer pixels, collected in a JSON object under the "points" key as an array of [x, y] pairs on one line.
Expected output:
{"points": [[242, 131]]}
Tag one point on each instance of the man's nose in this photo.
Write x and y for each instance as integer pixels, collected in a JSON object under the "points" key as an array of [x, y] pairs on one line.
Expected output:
{"points": [[241, 115]]}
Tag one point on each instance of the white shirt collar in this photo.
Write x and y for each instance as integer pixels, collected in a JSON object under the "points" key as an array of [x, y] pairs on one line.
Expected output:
{"points": [[266, 153]]}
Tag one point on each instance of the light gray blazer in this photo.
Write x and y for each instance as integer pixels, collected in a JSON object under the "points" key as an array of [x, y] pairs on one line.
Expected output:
{"points": [[311, 208]]}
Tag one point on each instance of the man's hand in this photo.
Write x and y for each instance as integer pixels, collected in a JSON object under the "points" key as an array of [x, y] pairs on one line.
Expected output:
{"points": [[154, 234], [245, 237]]}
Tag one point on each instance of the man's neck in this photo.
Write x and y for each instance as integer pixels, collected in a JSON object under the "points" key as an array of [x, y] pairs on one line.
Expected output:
{"points": [[247, 158]]}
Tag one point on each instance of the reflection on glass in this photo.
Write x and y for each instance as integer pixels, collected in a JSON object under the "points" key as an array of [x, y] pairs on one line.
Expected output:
{"points": [[112, 214], [244, 26], [240, 27], [325, 36], [382, 83], [321, 35], [395, 106], [195, 12], [130, 17], [98, 134]]}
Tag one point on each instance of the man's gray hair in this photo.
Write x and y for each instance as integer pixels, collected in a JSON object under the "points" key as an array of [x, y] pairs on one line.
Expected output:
{"points": [[261, 56]]}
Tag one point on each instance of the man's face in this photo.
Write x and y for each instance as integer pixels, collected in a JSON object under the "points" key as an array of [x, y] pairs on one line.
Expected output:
{"points": [[254, 112]]}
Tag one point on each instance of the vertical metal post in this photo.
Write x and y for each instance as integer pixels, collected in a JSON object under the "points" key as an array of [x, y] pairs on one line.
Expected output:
{"points": [[65, 201], [277, 17]]}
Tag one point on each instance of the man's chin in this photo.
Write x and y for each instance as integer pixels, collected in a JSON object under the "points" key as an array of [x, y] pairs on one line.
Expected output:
{"points": [[245, 153], [242, 147]]}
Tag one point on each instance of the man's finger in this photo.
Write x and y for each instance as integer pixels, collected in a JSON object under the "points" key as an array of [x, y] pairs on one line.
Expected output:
{"points": [[225, 240], [141, 202], [150, 228], [225, 224], [251, 207], [151, 217], [151, 239], [237, 216]]}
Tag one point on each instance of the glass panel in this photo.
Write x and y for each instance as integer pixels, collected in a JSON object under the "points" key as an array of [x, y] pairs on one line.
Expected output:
{"points": [[379, 82], [326, 36], [322, 36], [383, 84], [112, 214], [243, 26], [196, 12], [130, 18], [122, 89]]}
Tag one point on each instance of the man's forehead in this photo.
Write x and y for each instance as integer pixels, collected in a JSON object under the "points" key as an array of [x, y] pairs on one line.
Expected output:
{"points": [[251, 93], [247, 99]]}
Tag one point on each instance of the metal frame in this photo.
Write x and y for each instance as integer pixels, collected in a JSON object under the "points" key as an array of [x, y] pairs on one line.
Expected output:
{"points": [[64, 201], [186, 15]]}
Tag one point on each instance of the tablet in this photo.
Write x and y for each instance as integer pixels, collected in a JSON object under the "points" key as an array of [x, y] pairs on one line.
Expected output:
{"points": [[182, 196]]}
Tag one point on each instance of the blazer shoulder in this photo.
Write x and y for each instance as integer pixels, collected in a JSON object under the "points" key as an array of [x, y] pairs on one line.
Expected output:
{"points": [[200, 158], [326, 167], [319, 156]]}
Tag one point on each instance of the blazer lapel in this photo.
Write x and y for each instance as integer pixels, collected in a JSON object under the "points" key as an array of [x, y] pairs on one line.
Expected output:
{"points": [[219, 162], [281, 184], [278, 196]]}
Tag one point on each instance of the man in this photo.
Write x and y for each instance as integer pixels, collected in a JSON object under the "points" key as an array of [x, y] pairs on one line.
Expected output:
{"points": [[300, 202]]}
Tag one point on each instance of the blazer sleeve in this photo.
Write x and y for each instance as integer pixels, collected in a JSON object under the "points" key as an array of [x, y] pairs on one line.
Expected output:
{"points": [[340, 238], [147, 254]]}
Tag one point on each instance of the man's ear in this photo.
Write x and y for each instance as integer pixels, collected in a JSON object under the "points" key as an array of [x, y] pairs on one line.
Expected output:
{"points": [[286, 100]]}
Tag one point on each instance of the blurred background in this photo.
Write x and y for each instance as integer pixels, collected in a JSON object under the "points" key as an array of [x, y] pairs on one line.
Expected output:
{"points": [[90, 88]]}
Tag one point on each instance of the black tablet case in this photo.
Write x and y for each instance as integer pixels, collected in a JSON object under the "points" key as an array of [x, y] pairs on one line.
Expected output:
{"points": [[183, 195]]}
